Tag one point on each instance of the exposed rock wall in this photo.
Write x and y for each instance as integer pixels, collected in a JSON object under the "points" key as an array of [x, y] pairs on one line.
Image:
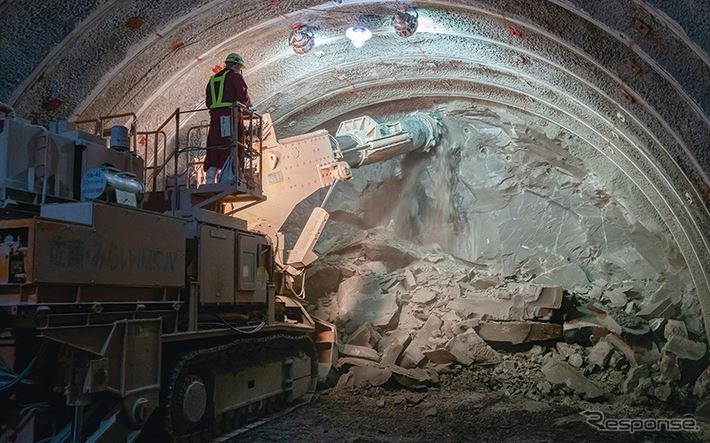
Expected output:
{"points": [[529, 202]]}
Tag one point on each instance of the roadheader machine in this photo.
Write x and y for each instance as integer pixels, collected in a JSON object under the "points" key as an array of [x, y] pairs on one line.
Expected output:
{"points": [[137, 304]]}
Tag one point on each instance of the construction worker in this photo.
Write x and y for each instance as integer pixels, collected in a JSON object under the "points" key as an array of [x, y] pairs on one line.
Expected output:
{"points": [[223, 90]]}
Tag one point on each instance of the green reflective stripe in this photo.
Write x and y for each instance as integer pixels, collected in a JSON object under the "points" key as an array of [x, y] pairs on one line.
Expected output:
{"points": [[218, 94]]}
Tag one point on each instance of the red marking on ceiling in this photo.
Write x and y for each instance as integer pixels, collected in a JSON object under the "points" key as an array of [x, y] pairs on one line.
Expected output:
{"points": [[217, 68], [641, 27], [142, 141], [514, 32], [633, 67], [176, 46], [54, 104], [626, 95], [135, 22]]}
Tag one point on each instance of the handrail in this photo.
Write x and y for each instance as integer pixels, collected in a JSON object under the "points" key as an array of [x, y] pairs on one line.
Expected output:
{"points": [[99, 125], [155, 154], [246, 152]]}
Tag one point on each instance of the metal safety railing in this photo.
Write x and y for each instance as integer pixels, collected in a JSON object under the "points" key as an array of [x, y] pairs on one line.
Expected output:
{"points": [[168, 167], [101, 129], [172, 160]]}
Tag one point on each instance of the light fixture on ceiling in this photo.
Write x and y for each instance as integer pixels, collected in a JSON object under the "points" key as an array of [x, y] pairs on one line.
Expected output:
{"points": [[301, 39], [404, 23], [358, 35]]}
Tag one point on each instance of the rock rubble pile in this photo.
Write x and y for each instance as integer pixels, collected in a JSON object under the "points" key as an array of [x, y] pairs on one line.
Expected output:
{"points": [[417, 318]]}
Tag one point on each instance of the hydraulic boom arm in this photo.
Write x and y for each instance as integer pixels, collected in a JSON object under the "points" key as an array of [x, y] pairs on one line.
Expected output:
{"points": [[296, 167]]}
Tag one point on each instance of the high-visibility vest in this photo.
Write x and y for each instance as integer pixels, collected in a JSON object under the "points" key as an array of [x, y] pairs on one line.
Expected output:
{"points": [[217, 91]]}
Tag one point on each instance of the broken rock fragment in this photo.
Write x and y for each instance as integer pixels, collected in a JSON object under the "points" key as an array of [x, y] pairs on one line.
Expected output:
{"points": [[664, 303], [634, 377], [576, 360], [322, 279], [663, 392], [558, 372], [470, 348], [365, 335], [413, 355], [394, 345], [514, 302], [636, 354], [583, 332], [684, 348], [483, 283], [394, 253], [669, 367], [414, 377], [440, 356], [360, 300], [347, 362], [566, 350], [600, 354], [701, 389], [675, 328], [463, 326], [516, 332], [424, 296], [616, 299], [410, 282], [362, 376], [618, 321], [360, 352]]}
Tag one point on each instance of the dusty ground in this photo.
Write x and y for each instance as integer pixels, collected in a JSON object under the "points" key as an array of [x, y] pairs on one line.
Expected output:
{"points": [[451, 413]]}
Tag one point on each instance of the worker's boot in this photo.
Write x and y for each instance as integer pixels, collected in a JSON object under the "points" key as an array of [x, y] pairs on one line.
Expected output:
{"points": [[211, 175]]}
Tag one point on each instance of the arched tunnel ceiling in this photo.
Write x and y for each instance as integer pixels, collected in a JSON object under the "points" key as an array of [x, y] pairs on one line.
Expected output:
{"points": [[628, 78]]}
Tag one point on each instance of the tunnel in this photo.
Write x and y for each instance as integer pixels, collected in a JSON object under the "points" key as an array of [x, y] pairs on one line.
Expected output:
{"points": [[574, 152]]}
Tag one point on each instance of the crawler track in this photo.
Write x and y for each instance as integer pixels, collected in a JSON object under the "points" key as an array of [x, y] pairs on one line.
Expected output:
{"points": [[226, 426]]}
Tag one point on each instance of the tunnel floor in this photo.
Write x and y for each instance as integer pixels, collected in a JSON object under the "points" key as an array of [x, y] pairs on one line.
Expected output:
{"points": [[454, 413]]}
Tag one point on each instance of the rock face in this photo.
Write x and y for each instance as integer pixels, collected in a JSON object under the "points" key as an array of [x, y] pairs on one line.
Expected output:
{"points": [[511, 241], [568, 276], [523, 202]]}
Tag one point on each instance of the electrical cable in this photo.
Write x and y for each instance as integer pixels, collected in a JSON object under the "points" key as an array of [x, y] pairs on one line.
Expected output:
{"points": [[17, 378], [302, 294], [242, 330]]}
